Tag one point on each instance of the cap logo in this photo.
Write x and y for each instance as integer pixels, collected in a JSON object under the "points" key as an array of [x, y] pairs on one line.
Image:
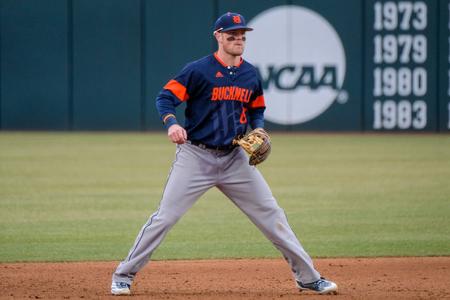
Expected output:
{"points": [[236, 19]]}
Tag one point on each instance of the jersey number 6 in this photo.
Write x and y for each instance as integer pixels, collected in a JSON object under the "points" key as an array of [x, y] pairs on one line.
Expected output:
{"points": [[243, 118]]}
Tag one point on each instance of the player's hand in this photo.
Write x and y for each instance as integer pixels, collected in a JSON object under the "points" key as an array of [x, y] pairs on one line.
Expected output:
{"points": [[177, 134]]}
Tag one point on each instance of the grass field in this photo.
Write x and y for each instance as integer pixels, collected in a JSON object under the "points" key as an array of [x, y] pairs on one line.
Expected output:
{"points": [[84, 196]]}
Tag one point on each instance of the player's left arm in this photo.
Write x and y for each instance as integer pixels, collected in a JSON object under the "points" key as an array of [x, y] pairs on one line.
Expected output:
{"points": [[256, 108]]}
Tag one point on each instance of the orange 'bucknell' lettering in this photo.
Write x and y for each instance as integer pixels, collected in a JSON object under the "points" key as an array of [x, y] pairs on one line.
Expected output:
{"points": [[231, 93]]}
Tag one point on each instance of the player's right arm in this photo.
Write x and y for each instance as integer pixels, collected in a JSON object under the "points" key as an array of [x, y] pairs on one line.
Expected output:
{"points": [[177, 134], [166, 104], [173, 94]]}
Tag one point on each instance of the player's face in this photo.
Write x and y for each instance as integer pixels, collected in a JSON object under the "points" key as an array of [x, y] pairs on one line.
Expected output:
{"points": [[233, 42]]}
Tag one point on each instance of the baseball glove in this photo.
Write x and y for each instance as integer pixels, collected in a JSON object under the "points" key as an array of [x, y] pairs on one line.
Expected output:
{"points": [[257, 144]]}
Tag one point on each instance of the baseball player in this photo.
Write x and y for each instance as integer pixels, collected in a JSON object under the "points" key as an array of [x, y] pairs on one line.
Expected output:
{"points": [[223, 96]]}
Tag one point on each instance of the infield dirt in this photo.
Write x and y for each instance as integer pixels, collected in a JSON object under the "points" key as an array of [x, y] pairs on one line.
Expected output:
{"points": [[358, 278]]}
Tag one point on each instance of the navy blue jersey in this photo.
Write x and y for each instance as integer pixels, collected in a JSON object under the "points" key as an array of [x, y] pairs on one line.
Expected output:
{"points": [[220, 100]]}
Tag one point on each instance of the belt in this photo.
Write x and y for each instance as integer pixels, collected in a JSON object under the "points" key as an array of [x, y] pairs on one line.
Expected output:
{"points": [[220, 148]]}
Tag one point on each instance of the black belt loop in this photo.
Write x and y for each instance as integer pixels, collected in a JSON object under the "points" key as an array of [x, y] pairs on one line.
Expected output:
{"points": [[219, 148]]}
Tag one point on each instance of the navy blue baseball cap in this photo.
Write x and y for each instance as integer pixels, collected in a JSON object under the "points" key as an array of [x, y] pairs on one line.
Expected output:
{"points": [[231, 21]]}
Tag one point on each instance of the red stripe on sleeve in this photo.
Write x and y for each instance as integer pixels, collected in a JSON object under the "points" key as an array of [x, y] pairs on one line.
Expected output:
{"points": [[258, 102], [177, 89]]}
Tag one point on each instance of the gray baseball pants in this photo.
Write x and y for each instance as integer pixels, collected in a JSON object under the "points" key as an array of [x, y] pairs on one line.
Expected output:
{"points": [[194, 171]]}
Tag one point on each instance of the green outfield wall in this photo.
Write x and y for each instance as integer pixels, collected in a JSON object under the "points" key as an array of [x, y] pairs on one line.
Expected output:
{"points": [[326, 65]]}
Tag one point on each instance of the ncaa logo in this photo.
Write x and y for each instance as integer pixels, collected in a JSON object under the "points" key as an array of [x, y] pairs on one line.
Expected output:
{"points": [[301, 61]]}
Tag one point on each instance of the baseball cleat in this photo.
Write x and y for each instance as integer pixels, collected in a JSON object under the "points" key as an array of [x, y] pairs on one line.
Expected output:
{"points": [[120, 288], [321, 286]]}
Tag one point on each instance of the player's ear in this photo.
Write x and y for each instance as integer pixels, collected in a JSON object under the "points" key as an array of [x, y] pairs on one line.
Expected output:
{"points": [[217, 35]]}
